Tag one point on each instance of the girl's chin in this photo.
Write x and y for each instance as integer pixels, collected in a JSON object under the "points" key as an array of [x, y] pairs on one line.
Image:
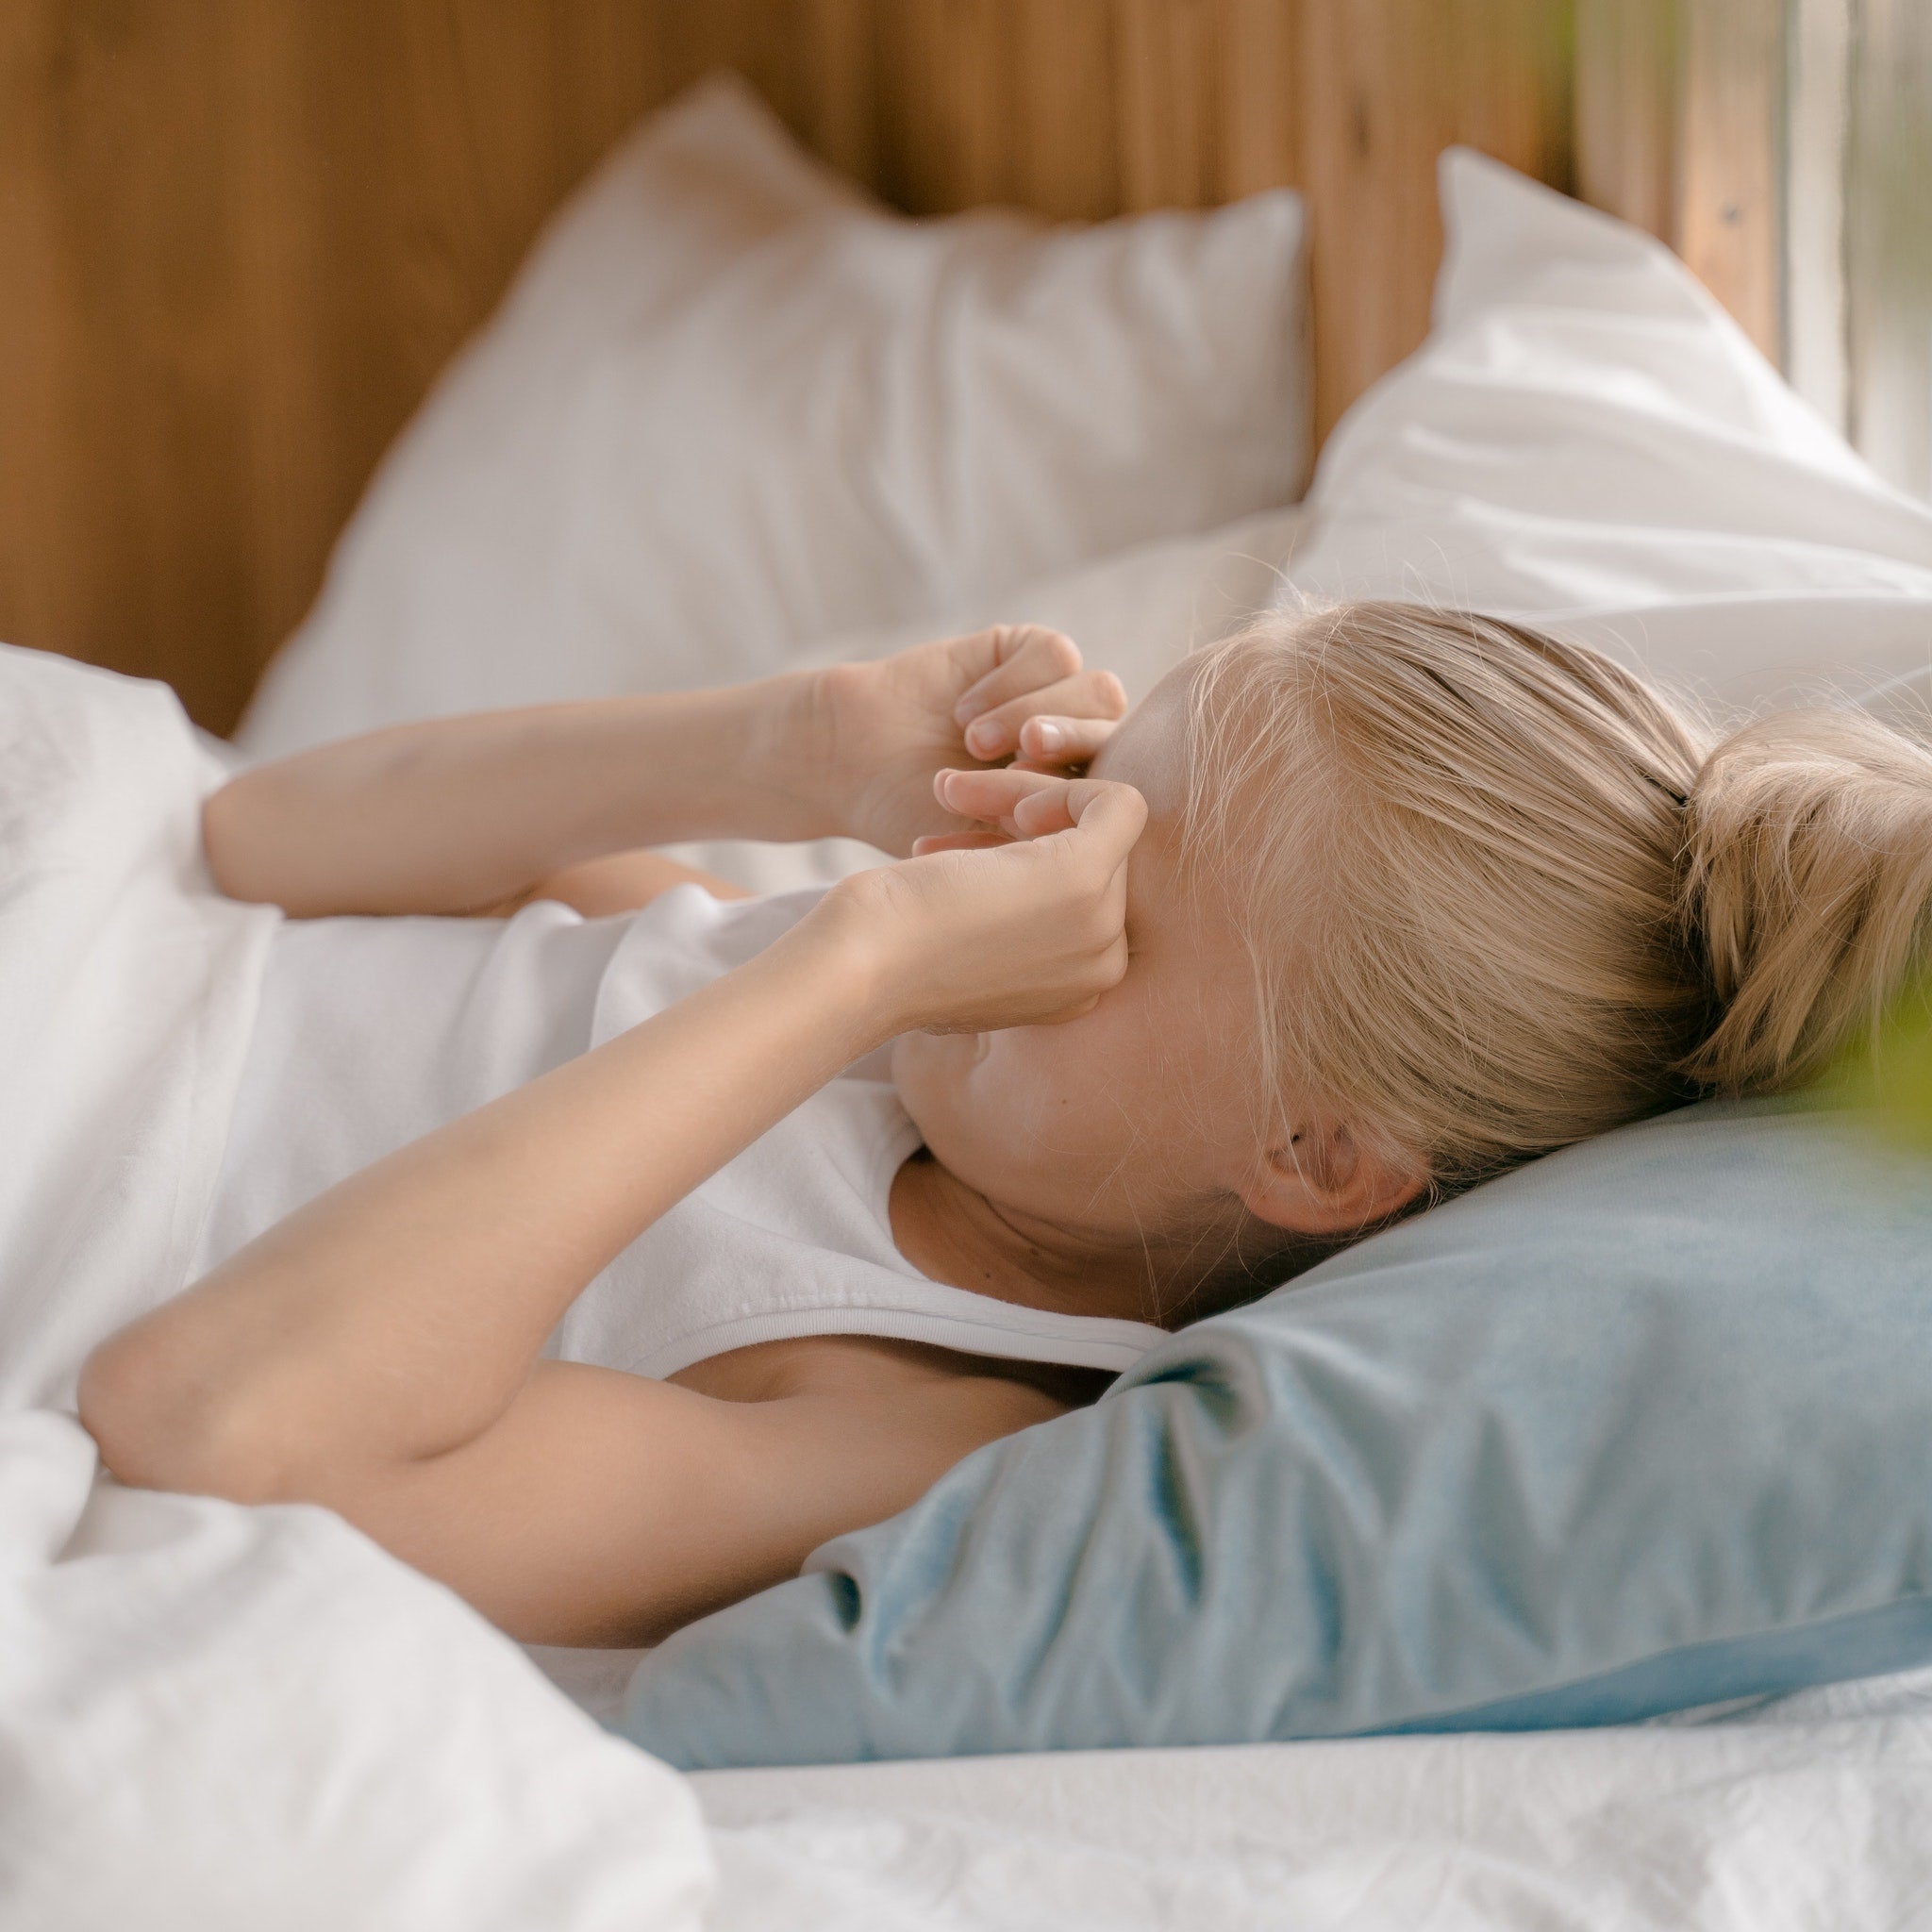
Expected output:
{"points": [[934, 1074]]}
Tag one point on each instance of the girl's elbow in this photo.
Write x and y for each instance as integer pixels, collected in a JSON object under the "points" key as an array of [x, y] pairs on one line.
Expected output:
{"points": [[156, 1430]]}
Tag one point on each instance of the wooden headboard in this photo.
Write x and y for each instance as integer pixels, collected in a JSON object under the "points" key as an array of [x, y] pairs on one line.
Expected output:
{"points": [[238, 238]]}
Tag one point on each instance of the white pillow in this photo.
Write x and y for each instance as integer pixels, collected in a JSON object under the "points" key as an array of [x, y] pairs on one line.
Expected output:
{"points": [[1134, 614], [1587, 440], [731, 408]]}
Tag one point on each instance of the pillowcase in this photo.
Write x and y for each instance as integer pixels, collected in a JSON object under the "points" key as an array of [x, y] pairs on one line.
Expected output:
{"points": [[1642, 1427], [731, 408], [1587, 442]]}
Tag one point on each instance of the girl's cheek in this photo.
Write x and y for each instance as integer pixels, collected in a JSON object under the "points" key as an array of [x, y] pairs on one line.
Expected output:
{"points": [[1037, 1082]]}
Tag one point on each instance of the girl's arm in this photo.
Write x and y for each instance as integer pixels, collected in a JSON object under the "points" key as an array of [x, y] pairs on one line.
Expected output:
{"points": [[460, 814], [376, 1352], [463, 814]]}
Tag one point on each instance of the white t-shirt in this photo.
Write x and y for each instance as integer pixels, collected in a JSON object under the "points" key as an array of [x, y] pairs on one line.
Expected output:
{"points": [[372, 1032]]}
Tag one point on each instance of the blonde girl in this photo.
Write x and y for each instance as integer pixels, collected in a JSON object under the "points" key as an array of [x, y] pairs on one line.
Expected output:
{"points": [[1357, 910]]}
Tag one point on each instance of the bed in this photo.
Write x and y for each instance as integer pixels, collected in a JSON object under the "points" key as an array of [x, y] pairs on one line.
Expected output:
{"points": [[211, 1716]]}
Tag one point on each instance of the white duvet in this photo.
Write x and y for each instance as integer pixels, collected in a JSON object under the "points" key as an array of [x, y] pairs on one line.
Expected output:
{"points": [[213, 1717], [216, 1717]]}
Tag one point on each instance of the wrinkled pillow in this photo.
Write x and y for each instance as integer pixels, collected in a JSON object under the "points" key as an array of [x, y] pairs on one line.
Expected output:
{"points": [[1640, 1427], [1587, 442], [731, 408]]}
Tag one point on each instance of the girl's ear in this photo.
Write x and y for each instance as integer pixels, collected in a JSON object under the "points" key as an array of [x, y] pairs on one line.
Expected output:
{"points": [[1321, 1178]]}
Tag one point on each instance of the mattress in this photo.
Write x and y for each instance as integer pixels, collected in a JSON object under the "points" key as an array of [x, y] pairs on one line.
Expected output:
{"points": [[1808, 1811]]}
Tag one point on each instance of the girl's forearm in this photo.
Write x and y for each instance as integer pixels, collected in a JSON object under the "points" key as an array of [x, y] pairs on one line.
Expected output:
{"points": [[398, 1316], [460, 813], [396, 1320]]}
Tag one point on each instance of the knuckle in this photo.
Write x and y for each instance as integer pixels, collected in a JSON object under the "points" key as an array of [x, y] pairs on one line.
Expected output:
{"points": [[1061, 652]]}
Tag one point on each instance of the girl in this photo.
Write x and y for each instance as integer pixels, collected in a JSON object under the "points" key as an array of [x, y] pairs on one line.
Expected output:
{"points": [[1355, 910]]}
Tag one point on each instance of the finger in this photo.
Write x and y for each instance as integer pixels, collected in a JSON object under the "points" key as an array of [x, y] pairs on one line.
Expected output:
{"points": [[1042, 813], [1035, 805], [1106, 818], [981, 655], [1026, 657], [1087, 695], [1048, 742], [990, 796]]}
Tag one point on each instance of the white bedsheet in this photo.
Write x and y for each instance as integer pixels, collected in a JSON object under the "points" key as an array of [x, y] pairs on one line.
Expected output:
{"points": [[1813, 1814], [213, 1717]]}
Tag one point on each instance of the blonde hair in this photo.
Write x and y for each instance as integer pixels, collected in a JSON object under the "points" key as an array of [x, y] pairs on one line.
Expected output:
{"points": [[1500, 896]]}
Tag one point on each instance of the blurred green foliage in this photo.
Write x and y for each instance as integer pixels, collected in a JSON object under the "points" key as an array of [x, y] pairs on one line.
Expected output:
{"points": [[1889, 1074]]}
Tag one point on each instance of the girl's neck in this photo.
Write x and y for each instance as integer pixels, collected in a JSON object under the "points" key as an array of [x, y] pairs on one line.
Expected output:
{"points": [[954, 1234]]}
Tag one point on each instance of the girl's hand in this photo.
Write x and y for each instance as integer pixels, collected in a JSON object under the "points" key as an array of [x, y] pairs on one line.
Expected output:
{"points": [[1016, 802], [873, 736], [989, 931]]}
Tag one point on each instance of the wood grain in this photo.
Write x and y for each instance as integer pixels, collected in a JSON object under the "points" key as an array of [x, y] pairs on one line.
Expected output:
{"points": [[1730, 158], [1681, 128], [240, 237], [1388, 86], [1630, 70]]}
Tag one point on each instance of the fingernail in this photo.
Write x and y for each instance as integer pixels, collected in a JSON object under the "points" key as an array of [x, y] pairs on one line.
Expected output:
{"points": [[985, 738], [968, 709], [1047, 737]]}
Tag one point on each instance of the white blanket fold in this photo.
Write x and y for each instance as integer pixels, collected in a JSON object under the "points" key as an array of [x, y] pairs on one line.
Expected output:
{"points": [[211, 1716], [127, 989], [214, 1718]]}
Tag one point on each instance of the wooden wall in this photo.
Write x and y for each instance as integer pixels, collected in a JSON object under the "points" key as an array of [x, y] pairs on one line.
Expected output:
{"points": [[1680, 127], [239, 236]]}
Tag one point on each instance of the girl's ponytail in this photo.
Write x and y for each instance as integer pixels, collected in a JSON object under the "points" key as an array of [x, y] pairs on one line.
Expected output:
{"points": [[1806, 890], [1501, 895]]}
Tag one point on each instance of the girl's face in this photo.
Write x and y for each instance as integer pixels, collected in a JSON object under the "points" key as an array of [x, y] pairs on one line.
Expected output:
{"points": [[1138, 1118]]}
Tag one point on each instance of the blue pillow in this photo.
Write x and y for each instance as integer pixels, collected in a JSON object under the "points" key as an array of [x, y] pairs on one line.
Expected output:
{"points": [[1642, 1427]]}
